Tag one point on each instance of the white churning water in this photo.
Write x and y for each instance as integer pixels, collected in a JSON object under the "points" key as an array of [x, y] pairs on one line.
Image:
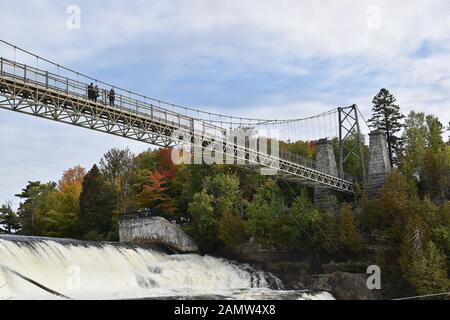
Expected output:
{"points": [[84, 270]]}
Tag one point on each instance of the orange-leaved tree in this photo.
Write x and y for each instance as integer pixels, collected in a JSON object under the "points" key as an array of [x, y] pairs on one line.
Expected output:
{"points": [[154, 194]]}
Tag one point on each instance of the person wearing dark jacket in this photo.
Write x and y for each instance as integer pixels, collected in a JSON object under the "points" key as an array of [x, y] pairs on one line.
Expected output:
{"points": [[112, 97], [96, 93], [91, 91]]}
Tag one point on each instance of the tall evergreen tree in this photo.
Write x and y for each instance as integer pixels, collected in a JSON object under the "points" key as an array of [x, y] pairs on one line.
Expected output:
{"points": [[97, 203], [387, 118], [9, 220], [435, 132]]}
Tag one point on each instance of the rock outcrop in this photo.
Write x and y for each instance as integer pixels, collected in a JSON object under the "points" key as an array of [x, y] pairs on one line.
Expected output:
{"points": [[307, 271], [155, 230], [344, 285]]}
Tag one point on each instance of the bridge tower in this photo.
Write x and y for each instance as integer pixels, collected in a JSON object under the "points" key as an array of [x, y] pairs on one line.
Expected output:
{"points": [[348, 145], [324, 198]]}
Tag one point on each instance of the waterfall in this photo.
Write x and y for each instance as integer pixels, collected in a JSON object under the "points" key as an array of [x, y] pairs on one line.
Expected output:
{"points": [[85, 270]]}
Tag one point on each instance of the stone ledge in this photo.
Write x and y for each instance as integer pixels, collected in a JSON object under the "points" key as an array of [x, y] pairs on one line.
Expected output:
{"points": [[155, 230]]}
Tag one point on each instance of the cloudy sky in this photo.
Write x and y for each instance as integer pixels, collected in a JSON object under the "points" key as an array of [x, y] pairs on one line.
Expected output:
{"points": [[270, 59]]}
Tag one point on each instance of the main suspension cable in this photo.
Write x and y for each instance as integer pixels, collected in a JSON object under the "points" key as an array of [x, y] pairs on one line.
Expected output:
{"points": [[234, 120]]}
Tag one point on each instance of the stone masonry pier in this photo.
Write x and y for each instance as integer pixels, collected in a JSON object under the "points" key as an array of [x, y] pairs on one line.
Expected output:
{"points": [[325, 198], [379, 163]]}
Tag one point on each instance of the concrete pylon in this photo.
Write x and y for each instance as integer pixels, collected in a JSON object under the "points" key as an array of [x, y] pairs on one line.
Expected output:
{"points": [[379, 163], [325, 198]]}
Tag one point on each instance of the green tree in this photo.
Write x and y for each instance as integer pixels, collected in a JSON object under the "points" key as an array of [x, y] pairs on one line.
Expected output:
{"points": [[32, 208], [231, 229], [386, 117], [62, 210], [328, 234], [222, 193], [392, 207], [415, 141], [435, 131], [267, 205], [307, 219], [117, 166], [225, 190], [414, 237], [428, 272], [349, 236], [97, 203], [249, 180], [441, 228], [9, 220], [437, 173], [205, 224]]}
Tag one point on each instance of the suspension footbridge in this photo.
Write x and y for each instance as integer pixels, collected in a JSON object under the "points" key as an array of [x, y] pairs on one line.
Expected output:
{"points": [[60, 94]]}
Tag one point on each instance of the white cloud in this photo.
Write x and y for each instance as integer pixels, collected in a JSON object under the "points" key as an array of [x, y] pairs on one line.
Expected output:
{"points": [[281, 37]]}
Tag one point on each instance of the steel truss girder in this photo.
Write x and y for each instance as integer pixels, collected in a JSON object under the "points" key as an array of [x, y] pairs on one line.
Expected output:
{"points": [[32, 99]]}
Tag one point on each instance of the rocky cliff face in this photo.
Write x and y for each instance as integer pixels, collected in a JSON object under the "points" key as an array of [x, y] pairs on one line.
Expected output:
{"points": [[297, 271], [155, 230], [343, 285]]}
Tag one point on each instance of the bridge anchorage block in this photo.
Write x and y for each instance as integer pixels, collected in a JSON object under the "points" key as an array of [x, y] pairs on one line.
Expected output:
{"points": [[379, 163], [325, 198]]}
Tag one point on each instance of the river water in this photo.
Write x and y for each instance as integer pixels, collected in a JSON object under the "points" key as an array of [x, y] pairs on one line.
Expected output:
{"points": [[42, 268]]}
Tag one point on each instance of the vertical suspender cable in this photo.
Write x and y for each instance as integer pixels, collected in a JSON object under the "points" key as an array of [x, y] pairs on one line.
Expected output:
{"points": [[14, 60]]}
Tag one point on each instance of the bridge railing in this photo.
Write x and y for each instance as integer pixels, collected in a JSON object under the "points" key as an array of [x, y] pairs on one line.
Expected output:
{"points": [[123, 100], [130, 102]]}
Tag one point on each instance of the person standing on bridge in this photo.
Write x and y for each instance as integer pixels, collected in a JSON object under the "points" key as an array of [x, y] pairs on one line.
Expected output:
{"points": [[96, 93], [112, 97], [91, 91]]}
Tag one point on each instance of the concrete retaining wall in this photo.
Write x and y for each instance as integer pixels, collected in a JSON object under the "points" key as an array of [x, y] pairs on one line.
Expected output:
{"points": [[155, 230]]}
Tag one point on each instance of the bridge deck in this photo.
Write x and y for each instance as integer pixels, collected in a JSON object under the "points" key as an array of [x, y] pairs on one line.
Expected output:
{"points": [[40, 93]]}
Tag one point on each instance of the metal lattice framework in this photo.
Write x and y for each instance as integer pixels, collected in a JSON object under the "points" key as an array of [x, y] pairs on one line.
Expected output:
{"points": [[348, 128], [36, 92]]}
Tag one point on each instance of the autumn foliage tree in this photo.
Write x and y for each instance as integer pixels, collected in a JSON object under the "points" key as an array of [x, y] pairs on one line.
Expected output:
{"points": [[72, 177], [154, 195]]}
